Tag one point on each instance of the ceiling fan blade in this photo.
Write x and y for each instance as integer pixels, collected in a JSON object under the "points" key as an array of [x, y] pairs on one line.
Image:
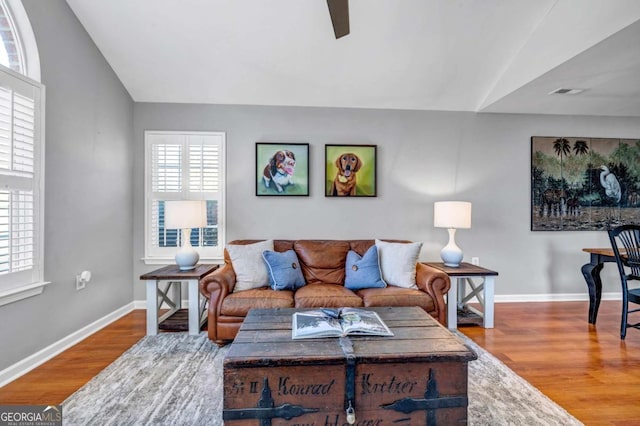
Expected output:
{"points": [[339, 11]]}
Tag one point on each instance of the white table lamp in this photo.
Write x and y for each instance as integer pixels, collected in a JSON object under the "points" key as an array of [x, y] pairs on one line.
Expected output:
{"points": [[185, 215], [452, 215]]}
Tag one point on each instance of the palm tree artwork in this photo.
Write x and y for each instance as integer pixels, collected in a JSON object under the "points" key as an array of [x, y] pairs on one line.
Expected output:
{"points": [[562, 147], [567, 192], [580, 147], [556, 199]]}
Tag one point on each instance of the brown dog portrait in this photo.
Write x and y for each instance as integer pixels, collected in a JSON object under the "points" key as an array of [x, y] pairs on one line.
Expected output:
{"points": [[344, 184]]}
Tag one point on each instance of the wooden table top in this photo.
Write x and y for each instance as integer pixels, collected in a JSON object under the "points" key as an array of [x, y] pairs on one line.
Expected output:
{"points": [[601, 251], [173, 272], [265, 337], [464, 270]]}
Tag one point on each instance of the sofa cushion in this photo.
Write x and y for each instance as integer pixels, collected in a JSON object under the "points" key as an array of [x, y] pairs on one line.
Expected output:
{"points": [[238, 304], [250, 269], [326, 296], [398, 263], [396, 296], [363, 271], [322, 260], [284, 270]]}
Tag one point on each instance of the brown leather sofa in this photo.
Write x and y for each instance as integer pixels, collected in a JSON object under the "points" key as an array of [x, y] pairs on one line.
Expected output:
{"points": [[323, 267]]}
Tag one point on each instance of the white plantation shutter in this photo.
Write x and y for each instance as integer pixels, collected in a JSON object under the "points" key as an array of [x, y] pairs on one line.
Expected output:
{"points": [[17, 127], [5, 128], [166, 163], [184, 166], [23, 132], [21, 153], [204, 168]]}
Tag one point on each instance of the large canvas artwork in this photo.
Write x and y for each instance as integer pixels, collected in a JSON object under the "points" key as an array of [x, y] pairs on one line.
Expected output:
{"points": [[584, 184]]}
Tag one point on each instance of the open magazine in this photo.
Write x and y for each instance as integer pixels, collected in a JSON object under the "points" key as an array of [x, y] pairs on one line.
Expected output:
{"points": [[337, 323]]}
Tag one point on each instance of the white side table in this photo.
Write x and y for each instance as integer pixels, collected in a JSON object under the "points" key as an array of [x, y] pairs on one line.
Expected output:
{"points": [[171, 295], [458, 298]]}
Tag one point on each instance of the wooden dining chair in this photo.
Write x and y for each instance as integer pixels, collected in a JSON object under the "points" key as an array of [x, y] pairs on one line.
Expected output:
{"points": [[625, 241]]}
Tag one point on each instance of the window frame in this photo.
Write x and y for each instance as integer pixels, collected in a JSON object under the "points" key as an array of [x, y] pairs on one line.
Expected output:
{"points": [[153, 255], [10, 289]]}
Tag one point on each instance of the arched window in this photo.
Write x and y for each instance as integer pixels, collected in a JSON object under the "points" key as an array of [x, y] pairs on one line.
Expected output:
{"points": [[10, 49], [21, 158], [18, 49]]}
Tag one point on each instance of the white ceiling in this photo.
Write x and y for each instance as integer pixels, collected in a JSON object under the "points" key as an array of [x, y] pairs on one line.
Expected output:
{"points": [[457, 55]]}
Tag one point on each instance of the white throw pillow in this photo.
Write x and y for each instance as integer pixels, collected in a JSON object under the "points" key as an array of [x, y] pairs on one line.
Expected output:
{"points": [[251, 271], [398, 263]]}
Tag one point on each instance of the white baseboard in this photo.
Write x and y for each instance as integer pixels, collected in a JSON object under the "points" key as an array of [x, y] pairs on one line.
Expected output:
{"points": [[20, 368], [567, 297]]}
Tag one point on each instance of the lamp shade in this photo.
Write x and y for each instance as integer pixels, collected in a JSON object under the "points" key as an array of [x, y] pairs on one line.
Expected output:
{"points": [[452, 214], [185, 214]]}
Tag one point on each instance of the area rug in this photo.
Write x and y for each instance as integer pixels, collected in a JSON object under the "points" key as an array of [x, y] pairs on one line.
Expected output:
{"points": [[176, 379]]}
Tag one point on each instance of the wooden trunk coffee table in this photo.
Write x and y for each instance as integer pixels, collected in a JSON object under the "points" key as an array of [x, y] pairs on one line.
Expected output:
{"points": [[416, 377]]}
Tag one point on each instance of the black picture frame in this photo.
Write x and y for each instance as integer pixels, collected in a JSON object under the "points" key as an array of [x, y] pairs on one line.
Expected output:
{"points": [[282, 169], [350, 170]]}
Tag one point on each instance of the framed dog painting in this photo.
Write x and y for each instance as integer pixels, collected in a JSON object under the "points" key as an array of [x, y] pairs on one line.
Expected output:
{"points": [[350, 170], [282, 169]]}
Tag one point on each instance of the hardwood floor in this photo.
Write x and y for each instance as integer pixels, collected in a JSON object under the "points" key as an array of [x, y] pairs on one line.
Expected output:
{"points": [[55, 380], [586, 369]]}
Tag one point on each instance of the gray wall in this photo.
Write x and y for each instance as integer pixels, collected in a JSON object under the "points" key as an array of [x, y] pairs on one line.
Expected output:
{"points": [[88, 197], [423, 156]]}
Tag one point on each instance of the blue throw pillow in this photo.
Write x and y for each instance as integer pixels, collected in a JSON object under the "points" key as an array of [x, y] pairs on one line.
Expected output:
{"points": [[284, 270], [363, 272]]}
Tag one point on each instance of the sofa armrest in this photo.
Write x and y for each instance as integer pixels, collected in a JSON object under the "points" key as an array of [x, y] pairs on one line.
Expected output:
{"points": [[436, 283], [217, 285]]}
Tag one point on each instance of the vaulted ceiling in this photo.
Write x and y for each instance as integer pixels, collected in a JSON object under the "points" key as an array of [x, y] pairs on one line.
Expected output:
{"points": [[454, 55]]}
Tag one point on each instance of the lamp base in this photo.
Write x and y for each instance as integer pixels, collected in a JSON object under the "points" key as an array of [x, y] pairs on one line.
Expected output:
{"points": [[451, 254], [187, 257]]}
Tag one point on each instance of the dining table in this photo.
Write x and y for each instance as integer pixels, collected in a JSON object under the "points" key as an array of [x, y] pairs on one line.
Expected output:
{"points": [[591, 272]]}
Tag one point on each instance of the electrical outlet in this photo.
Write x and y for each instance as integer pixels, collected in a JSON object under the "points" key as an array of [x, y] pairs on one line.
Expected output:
{"points": [[80, 283], [475, 261]]}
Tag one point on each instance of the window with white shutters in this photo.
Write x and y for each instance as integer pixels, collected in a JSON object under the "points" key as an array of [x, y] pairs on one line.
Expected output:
{"points": [[21, 186], [184, 166]]}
